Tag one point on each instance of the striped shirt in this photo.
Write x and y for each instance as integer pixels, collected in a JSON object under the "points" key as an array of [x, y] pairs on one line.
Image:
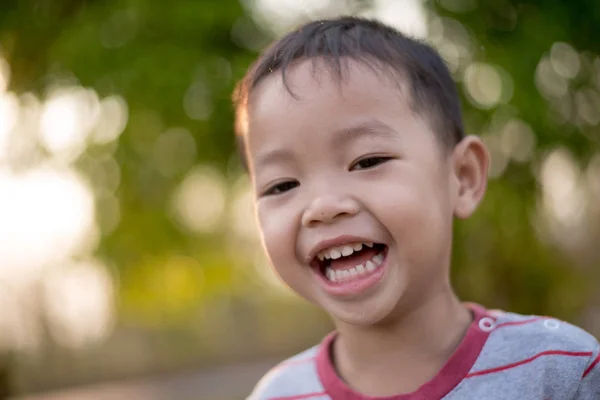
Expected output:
{"points": [[502, 356]]}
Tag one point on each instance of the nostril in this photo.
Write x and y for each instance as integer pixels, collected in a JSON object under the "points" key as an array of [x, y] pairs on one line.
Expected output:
{"points": [[328, 208]]}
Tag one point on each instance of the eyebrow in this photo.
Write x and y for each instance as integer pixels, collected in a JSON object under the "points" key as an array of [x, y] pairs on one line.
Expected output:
{"points": [[282, 155], [369, 128]]}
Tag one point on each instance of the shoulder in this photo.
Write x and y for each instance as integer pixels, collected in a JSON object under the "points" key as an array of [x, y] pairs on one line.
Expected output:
{"points": [[293, 377], [539, 331], [543, 346]]}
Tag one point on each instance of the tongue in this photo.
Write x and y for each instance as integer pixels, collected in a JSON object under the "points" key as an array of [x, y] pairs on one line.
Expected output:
{"points": [[354, 259]]}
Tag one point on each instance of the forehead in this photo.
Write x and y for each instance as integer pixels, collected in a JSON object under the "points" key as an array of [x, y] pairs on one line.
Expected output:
{"points": [[317, 83], [313, 98]]}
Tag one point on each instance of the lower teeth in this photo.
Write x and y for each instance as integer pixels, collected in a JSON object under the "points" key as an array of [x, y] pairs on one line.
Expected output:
{"points": [[362, 269]]}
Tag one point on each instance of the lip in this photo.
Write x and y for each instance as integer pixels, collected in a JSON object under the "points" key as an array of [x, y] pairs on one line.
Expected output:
{"points": [[356, 286], [337, 241]]}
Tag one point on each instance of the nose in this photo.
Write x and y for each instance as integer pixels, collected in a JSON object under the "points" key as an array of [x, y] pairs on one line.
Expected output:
{"points": [[327, 209]]}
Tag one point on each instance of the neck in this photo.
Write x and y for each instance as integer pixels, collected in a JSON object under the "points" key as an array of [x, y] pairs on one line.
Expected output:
{"points": [[414, 345]]}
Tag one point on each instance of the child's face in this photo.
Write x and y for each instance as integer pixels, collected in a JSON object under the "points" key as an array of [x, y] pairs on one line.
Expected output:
{"points": [[343, 165]]}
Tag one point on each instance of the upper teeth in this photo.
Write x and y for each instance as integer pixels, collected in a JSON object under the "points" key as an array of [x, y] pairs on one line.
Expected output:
{"points": [[339, 251]]}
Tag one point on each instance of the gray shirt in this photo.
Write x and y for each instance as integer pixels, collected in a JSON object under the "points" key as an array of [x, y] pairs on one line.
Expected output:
{"points": [[502, 356]]}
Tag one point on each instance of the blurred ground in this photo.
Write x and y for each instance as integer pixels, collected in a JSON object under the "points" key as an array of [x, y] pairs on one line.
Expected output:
{"points": [[227, 383]]}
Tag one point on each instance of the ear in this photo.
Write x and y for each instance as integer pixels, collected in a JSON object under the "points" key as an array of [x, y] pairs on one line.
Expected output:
{"points": [[470, 160]]}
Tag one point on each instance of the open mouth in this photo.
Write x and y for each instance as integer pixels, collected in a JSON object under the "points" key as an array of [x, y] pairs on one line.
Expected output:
{"points": [[350, 261]]}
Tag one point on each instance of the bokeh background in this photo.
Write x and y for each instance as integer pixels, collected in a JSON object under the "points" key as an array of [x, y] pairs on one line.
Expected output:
{"points": [[129, 261]]}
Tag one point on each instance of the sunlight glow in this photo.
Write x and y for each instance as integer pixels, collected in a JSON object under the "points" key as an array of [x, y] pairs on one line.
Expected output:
{"points": [[4, 75], [517, 140], [199, 201], [197, 101], [564, 60], [454, 43], [593, 175], [587, 104], [79, 301], [19, 329], [111, 121], [565, 215], [67, 119], [174, 151], [110, 213], [563, 194], [9, 111], [408, 16], [46, 216], [484, 85], [550, 83], [283, 15]]}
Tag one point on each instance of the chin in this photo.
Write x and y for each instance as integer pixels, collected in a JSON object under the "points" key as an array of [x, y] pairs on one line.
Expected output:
{"points": [[377, 311], [363, 321]]}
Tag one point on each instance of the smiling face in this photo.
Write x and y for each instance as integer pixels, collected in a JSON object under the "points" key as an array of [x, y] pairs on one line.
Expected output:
{"points": [[355, 194]]}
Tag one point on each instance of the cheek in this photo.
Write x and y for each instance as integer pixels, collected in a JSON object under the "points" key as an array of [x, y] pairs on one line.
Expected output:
{"points": [[278, 230], [278, 234], [417, 217]]}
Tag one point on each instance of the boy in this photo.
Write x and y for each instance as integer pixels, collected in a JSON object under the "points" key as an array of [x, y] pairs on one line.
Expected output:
{"points": [[354, 143]]}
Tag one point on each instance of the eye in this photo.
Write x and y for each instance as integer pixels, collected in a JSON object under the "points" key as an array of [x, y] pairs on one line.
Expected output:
{"points": [[369, 162], [280, 188]]}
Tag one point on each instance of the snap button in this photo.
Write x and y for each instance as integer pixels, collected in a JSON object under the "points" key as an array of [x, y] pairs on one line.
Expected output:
{"points": [[551, 324], [487, 324]]}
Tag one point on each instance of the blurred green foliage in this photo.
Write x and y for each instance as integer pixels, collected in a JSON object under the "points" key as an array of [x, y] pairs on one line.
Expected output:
{"points": [[195, 298]]}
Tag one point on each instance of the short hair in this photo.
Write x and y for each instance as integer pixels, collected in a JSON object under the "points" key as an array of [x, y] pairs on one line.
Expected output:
{"points": [[432, 89]]}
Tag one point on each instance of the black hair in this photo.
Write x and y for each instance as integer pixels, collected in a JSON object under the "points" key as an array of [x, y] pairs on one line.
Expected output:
{"points": [[334, 41]]}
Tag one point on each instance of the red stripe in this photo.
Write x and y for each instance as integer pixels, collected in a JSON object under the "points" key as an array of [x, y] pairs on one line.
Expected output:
{"points": [[530, 359], [300, 396], [591, 367], [523, 322]]}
